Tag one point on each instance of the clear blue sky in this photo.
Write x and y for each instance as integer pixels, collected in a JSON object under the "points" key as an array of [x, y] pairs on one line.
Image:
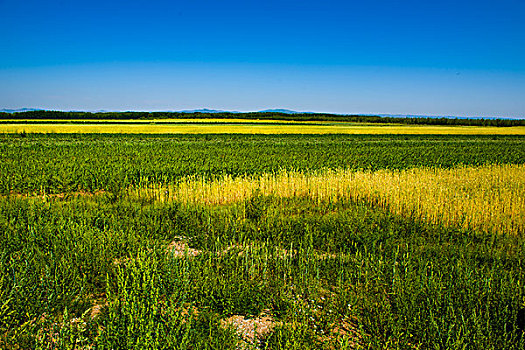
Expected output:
{"points": [[443, 57]]}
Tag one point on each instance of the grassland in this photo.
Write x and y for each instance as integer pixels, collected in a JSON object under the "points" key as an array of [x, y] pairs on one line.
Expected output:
{"points": [[262, 241], [250, 127], [488, 198], [69, 163]]}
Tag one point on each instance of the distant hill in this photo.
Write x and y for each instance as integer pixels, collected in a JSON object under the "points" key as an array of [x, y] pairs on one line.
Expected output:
{"points": [[203, 110], [20, 110], [280, 110], [206, 110]]}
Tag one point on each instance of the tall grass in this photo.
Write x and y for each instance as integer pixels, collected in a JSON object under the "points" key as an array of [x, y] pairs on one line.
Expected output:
{"points": [[488, 198]]}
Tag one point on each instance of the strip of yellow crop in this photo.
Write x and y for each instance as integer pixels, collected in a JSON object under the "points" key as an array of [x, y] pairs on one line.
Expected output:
{"points": [[488, 198], [253, 128]]}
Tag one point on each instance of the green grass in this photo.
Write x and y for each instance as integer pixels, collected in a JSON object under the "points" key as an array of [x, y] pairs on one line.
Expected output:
{"points": [[312, 266], [68, 163], [108, 272]]}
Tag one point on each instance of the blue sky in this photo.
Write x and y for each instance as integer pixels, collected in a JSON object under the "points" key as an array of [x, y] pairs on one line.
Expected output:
{"points": [[460, 58]]}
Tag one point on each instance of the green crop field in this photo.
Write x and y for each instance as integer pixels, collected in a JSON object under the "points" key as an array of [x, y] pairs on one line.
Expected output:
{"points": [[261, 241]]}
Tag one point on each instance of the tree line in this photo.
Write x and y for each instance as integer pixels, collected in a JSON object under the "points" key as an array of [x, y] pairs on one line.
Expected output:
{"points": [[354, 118]]}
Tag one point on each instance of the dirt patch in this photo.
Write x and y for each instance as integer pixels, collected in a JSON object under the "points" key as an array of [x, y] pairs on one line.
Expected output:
{"points": [[180, 249], [96, 310], [98, 302], [121, 261], [251, 330]]}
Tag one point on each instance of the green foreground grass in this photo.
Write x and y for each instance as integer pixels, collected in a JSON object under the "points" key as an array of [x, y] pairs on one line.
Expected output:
{"points": [[329, 275]]}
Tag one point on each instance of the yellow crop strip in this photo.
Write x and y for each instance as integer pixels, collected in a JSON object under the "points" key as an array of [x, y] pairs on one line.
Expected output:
{"points": [[253, 128], [489, 198]]}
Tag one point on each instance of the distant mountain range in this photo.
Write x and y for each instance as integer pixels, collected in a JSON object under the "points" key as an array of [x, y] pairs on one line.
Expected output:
{"points": [[201, 110], [19, 110], [285, 111], [205, 110], [277, 110]]}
